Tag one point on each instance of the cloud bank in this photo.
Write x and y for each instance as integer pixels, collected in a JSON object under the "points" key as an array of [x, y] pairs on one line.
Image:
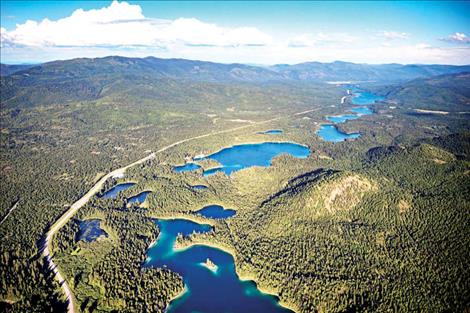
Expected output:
{"points": [[457, 38], [123, 29]]}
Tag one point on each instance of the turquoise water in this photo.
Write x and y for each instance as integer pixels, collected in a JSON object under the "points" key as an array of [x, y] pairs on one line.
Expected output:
{"points": [[342, 118], [330, 133], [364, 97], [90, 230], [243, 156], [140, 198], [112, 193], [216, 211], [273, 132], [206, 290], [362, 111], [187, 167]]}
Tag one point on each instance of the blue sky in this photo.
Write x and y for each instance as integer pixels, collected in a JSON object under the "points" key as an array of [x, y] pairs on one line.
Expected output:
{"points": [[247, 32]]}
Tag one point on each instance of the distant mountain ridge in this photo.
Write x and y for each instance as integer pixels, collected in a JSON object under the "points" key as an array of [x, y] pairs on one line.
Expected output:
{"points": [[211, 71], [92, 78], [345, 71]]}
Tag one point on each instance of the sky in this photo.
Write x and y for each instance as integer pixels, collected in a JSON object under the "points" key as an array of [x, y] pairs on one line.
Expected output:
{"points": [[253, 32]]}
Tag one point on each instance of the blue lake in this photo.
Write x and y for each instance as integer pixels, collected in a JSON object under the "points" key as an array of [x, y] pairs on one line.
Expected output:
{"points": [[362, 111], [187, 167], [330, 133], [206, 290], [140, 198], [272, 132], [90, 230], [216, 211], [364, 97], [112, 193], [247, 155], [342, 118]]}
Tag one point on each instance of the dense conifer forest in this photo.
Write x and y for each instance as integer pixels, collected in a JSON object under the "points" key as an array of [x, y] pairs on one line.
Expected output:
{"points": [[375, 224]]}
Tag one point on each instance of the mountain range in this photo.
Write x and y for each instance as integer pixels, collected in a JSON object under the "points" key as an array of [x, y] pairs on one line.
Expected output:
{"points": [[92, 78]]}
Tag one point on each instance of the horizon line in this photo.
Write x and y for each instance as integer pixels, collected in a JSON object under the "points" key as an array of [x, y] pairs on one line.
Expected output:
{"points": [[228, 63]]}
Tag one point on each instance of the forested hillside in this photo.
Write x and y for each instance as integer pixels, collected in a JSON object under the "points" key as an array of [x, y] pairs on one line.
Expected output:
{"points": [[90, 79], [449, 93], [353, 227]]}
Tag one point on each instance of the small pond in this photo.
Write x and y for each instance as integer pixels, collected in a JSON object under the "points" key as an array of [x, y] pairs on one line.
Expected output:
{"points": [[139, 198], [216, 211], [186, 167], [90, 230], [272, 132], [112, 193]]}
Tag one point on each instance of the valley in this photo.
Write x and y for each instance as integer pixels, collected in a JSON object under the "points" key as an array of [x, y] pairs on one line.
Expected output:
{"points": [[309, 221]]}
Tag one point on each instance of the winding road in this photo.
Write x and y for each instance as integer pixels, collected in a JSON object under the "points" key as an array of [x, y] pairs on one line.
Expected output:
{"points": [[47, 250]]}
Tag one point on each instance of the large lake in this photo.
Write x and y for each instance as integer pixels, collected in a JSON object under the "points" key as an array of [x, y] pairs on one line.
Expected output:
{"points": [[208, 290], [243, 156]]}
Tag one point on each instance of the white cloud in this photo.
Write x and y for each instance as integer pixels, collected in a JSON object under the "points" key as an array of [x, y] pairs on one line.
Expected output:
{"points": [[457, 38], [301, 41], [310, 40], [123, 24], [123, 29], [392, 35]]}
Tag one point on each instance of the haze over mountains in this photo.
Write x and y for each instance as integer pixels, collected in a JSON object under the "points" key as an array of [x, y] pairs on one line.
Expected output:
{"points": [[88, 79], [218, 72]]}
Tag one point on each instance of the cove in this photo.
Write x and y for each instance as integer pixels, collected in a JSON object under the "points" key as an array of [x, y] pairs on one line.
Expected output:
{"points": [[90, 230], [216, 211], [330, 133], [112, 193], [187, 167], [242, 156], [214, 290], [139, 198]]}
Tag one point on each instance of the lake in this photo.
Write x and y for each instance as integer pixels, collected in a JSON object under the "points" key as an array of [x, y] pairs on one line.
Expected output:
{"points": [[216, 211], [330, 133], [243, 156], [362, 97], [112, 193], [90, 230], [206, 290]]}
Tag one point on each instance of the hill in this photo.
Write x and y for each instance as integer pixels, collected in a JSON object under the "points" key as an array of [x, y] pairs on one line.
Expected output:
{"points": [[345, 71], [450, 92], [7, 69]]}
